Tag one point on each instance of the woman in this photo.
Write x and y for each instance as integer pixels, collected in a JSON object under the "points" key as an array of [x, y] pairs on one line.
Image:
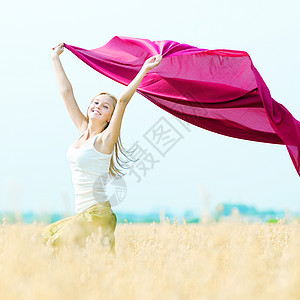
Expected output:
{"points": [[90, 159]]}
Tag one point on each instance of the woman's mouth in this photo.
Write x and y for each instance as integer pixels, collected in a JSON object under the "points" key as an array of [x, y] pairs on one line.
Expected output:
{"points": [[95, 111]]}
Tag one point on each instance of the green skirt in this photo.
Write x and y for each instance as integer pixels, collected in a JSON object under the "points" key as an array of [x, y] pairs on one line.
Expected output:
{"points": [[75, 229]]}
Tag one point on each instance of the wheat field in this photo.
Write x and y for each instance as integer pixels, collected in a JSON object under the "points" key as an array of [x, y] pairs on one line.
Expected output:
{"points": [[224, 260]]}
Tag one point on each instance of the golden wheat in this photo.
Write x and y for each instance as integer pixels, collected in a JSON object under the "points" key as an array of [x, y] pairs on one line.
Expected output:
{"points": [[226, 260]]}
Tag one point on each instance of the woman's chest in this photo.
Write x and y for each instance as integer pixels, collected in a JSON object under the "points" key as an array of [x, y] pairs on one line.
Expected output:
{"points": [[96, 143], [87, 158]]}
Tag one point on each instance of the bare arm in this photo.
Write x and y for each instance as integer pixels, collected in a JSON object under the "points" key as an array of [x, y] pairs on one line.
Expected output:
{"points": [[66, 90], [64, 84], [131, 88], [112, 132]]}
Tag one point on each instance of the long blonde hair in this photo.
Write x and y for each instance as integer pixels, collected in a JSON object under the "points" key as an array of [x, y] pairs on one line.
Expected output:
{"points": [[113, 170]]}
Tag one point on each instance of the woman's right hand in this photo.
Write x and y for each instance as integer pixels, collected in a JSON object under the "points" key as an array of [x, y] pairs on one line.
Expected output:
{"points": [[57, 50]]}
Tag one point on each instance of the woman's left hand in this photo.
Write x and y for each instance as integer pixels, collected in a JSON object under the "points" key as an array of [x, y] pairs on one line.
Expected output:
{"points": [[152, 62]]}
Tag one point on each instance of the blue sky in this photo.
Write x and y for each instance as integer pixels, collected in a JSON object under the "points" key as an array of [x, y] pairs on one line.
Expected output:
{"points": [[203, 168]]}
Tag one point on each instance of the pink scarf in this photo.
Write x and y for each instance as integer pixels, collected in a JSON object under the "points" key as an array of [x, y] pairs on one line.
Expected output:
{"points": [[218, 90]]}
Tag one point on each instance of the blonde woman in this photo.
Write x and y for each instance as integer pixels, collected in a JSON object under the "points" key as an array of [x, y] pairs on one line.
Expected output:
{"points": [[90, 159]]}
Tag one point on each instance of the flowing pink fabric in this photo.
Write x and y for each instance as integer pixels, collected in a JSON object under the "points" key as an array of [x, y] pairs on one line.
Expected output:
{"points": [[218, 90]]}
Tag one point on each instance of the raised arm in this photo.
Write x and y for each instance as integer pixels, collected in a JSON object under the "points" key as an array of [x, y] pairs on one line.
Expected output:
{"points": [[149, 64], [112, 132], [66, 89]]}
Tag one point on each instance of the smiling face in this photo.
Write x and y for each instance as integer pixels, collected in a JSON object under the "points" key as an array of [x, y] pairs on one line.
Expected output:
{"points": [[101, 108]]}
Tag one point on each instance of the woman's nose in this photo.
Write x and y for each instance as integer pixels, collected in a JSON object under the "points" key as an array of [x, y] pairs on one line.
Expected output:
{"points": [[99, 107]]}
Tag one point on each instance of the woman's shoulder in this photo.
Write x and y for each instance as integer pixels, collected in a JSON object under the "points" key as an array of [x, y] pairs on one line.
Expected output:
{"points": [[102, 146], [82, 132]]}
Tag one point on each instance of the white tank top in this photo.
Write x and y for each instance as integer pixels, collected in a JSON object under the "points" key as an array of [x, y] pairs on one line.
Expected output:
{"points": [[89, 169]]}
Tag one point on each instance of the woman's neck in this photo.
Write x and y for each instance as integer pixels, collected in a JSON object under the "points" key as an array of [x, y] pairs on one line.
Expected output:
{"points": [[94, 128]]}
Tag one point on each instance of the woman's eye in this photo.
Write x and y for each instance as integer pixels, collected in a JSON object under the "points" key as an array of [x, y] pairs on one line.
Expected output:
{"points": [[106, 106]]}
